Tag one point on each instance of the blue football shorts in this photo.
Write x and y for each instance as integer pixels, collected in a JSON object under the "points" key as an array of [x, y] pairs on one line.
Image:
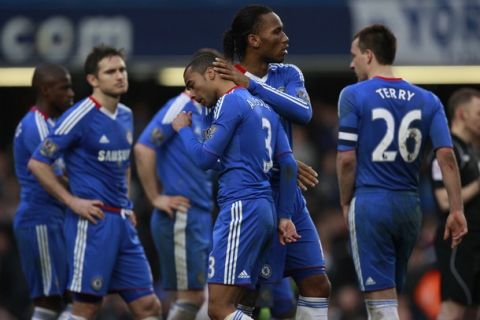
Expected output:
{"points": [[106, 257], [43, 258], [241, 236], [183, 245], [384, 226], [299, 259]]}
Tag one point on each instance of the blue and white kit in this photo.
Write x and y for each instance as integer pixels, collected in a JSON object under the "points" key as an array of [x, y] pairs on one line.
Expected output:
{"points": [[387, 121], [38, 223], [244, 139], [96, 145], [182, 243]]}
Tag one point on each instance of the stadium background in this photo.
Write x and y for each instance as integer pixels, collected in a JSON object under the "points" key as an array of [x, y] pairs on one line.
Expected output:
{"points": [[160, 35]]}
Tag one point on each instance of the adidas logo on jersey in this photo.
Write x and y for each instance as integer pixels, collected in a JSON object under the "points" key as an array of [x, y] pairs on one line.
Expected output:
{"points": [[104, 139], [370, 281], [243, 275]]}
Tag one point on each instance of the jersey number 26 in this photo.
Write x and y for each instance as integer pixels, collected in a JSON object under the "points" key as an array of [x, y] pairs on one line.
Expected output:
{"points": [[405, 133]]}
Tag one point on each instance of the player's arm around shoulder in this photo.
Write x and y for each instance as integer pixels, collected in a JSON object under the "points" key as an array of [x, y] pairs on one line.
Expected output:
{"points": [[229, 72], [456, 226], [291, 101]]}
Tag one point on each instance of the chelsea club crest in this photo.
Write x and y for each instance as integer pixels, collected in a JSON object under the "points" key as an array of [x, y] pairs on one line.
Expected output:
{"points": [[266, 271], [97, 283]]}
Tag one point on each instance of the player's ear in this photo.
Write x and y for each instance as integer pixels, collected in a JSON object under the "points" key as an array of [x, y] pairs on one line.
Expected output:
{"points": [[44, 89], [92, 80], [370, 55], [253, 40], [460, 113], [210, 73]]}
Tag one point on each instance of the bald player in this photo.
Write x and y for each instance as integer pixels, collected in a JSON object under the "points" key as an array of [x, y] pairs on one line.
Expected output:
{"points": [[38, 222]]}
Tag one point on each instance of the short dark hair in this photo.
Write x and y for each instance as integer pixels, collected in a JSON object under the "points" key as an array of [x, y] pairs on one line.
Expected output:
{"points": [[46, 72], [245, 22], [202, 59], [460, 97], [97, 54], [206, 50], [380, 40]]}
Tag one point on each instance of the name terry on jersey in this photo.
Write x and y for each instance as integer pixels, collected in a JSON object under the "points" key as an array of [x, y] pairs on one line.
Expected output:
{"points": [[113, 155], [394, 93]]}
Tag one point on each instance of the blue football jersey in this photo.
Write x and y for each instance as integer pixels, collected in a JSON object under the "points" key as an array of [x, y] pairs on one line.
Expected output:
{"points": [[96, 147], [247, 136], [283, 88], [177, 171], [36, 205], [388, 121]]}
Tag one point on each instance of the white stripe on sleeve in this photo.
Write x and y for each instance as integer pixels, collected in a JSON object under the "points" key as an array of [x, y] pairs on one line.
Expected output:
{"points": [[347, 136], [74, 117], [175, 108]]}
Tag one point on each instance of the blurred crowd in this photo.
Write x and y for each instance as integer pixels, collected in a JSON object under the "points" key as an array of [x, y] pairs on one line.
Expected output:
{"points": [[314, 144]]}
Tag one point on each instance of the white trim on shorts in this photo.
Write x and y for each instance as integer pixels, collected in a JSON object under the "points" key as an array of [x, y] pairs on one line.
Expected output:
{"points": [[79, 255], [180, 249], [45, 263], [354, 243], [236, 212]]}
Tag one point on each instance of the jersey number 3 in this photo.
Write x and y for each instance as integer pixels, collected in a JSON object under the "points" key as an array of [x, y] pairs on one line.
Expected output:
{"points": [[406, 136], [267, 165]]}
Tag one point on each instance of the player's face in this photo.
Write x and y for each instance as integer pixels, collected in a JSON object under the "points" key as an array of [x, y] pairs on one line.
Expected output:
{"points": [[60, 94], [200, 88], [359, 61], [472, 117], [111, 78], [273, 43]]}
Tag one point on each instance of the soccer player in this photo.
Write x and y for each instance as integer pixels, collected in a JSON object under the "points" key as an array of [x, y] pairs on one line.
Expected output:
{"points": [[258, 42], [38, 223], [384, 125], [459, 267], [181, 222], [243, 141], [95, 138]]}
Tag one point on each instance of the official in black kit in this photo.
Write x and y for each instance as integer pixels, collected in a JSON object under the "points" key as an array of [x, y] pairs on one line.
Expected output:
{"points": [[460, 267]]}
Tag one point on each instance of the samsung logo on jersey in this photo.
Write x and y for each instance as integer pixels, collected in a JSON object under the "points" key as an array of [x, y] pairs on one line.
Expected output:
{"points": [[257, 103], [113, 155]]}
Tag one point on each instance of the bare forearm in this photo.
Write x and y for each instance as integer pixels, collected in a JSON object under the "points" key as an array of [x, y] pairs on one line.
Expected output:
{"points": [[451, 178], [129, 180], [145, 159], [346, 183], [46, 176], [346, 168]]}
